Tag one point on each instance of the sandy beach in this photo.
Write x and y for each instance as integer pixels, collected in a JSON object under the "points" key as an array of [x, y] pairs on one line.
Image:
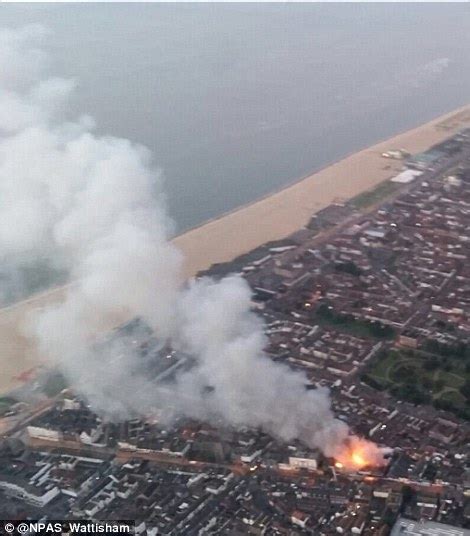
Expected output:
{"points": [[283, 212], [273, 217]]}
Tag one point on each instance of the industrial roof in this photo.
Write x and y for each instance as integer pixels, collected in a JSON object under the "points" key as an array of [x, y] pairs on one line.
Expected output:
{"points": [[407, 527]]}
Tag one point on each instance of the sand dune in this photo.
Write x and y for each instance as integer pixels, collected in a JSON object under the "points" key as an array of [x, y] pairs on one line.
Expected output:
{"points": [[275, 216]]}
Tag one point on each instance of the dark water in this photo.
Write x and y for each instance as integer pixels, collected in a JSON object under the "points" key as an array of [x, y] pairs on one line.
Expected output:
{"points": [[236, 100]]}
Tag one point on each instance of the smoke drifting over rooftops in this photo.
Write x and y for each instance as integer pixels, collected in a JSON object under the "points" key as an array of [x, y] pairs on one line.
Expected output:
{"points": [[92, 205]]}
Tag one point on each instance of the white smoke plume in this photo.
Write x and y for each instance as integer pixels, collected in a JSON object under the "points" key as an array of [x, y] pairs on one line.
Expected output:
{"points": [[92, 205]]}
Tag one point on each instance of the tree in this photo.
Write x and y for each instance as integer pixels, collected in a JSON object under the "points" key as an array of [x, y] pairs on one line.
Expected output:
{"points": [[410, 393], [427, 383], [405, 373], [408, 495], [439, 385], [465, 390], [389, 517], [443, 404], [348, 267], [432, 363], [372, 382]]}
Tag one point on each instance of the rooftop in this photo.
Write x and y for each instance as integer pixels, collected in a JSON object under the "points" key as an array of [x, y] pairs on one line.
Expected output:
{"points": [[406, 527]]}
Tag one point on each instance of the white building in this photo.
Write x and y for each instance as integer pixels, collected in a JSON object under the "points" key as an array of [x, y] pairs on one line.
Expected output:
{"points": [[298, 462], [43, 433], [29, 494]]}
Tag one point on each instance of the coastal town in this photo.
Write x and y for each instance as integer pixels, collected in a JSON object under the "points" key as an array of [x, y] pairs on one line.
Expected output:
{"points": [[370, 299]]}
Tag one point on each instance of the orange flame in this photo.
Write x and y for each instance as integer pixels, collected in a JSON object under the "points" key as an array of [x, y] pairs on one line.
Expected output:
{"points": [[358, 454]]}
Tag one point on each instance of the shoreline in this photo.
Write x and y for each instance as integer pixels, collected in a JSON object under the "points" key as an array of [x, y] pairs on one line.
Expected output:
{"points": [[320, 169], [370, 171], [273, 216]]}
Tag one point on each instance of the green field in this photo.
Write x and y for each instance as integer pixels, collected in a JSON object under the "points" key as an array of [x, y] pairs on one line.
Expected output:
{"points": [[325, 316], [375, 195], [422, 377]]}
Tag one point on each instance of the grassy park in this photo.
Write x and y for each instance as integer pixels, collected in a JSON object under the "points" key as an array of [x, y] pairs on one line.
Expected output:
{"points": [[326, 316], [424, 377], [375, 195]]}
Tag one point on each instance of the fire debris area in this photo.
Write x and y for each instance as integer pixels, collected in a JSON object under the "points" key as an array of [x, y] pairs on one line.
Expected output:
{"points": [[369, 307]]}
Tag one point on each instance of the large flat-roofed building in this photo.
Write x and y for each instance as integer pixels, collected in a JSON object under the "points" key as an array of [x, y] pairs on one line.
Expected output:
{"points": [[408, 527]]}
